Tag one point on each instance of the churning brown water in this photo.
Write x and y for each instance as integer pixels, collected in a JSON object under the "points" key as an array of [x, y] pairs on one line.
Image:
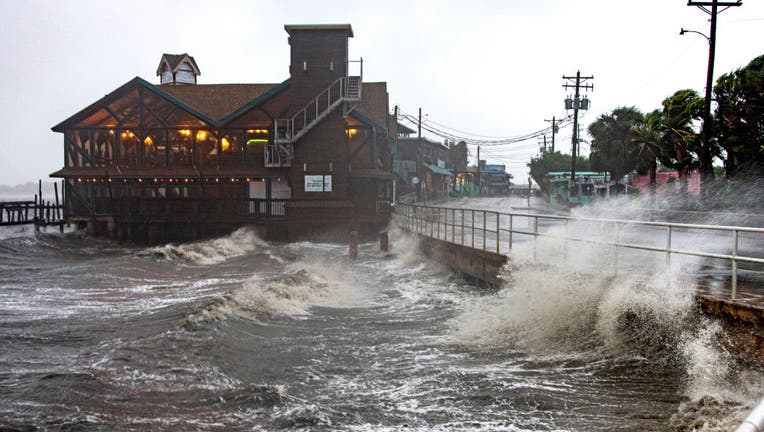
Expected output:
{"points": [[240, 334]]}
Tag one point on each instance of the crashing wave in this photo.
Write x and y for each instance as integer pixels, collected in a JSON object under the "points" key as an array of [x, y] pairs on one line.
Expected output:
{"points": [[238, 243]]}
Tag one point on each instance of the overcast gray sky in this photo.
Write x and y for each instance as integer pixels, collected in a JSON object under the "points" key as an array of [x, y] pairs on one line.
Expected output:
{"points": [[485, 67]]}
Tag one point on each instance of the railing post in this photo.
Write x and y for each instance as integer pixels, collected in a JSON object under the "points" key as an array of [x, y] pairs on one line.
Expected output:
{"points": [[453, 225], [485, 233], [668, 249], [472, 223], [438, 222], [432, 227], [462, 240], [565, 242], [498, 233], [417, 219], [735, 238], [615, 252], [511, 228], [535, 236]]}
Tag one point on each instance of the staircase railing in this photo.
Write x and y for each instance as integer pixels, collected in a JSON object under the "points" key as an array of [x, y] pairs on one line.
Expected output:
{"points": [[344, 89]]}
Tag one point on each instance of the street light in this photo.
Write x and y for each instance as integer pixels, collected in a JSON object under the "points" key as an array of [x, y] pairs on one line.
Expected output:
{"points": [[682, 31], [706, 159]]}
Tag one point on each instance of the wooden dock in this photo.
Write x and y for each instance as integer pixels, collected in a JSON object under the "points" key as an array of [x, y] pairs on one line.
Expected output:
{"points": [[37, 212]]}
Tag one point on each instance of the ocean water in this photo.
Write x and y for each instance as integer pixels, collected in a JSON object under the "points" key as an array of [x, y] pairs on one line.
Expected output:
{"points": [[236, 333]]}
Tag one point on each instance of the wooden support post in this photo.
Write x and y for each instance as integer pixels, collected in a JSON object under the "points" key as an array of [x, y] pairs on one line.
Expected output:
{"points": [[111, 228], [55, 189], [353, 244], [37, 213], [384, 242]]}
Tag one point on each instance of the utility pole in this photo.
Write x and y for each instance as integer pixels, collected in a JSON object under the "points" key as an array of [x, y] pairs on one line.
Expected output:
{"points": [[554, 131], [575, 82], [419, 170], [706, 164], [419, 128], [479, 180]]}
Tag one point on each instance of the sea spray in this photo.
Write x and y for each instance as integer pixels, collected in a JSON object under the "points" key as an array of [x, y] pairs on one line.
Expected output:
{"points": [[646, 315], [582, 298]]}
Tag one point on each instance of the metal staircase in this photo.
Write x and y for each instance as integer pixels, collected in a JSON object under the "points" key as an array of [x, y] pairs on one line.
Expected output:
{"points": [[345, 89], [287, 131]]}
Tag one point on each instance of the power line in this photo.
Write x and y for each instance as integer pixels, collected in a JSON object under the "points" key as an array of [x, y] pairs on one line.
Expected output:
{"points": [[438, 130]]}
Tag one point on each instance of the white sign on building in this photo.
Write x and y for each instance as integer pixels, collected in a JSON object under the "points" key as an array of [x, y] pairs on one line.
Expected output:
{"points": [[318, 183], [314, 183]]}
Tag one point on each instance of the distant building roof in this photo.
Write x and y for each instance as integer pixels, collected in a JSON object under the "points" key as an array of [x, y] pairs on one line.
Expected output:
{"points": [[424, 140], [578, 173], [494, 167], [296, 27], [405, 130]]}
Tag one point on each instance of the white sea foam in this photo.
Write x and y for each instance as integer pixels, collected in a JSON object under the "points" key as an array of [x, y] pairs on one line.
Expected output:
{"points": [[293, 292], [564, 299], [238, 243], [302, 286]]}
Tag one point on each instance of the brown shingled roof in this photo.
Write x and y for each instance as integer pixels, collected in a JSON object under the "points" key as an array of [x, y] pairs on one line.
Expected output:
{"points": [[217, 100], [374, 101]]}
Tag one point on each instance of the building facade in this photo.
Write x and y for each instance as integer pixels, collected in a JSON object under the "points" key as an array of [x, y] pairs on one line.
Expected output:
{"points": [[180, 160], [422, 166]]}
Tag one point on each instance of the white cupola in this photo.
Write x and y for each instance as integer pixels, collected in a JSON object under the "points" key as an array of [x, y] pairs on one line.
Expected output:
{"points": [[177, 69]]}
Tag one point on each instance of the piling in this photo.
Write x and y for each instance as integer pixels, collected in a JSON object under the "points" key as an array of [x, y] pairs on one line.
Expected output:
{"points": [[353, 244], [37, 213], [384, 242]]}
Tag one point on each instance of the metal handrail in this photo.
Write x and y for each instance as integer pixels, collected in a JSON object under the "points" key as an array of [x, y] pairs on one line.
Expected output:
{"points": [[754, 422], [301, 121], [418, 218]]}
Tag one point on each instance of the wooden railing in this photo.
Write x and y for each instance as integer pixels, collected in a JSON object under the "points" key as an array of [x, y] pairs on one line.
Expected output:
{"points": [[30, 212], [209, 208]]}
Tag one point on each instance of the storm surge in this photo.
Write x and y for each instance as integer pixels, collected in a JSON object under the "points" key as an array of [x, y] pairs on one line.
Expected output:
{"points": [[236, 333], [565, 301], [238, 243]]}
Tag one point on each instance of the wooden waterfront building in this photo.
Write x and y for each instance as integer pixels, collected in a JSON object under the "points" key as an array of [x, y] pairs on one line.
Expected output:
{"points": [[181, 160]]}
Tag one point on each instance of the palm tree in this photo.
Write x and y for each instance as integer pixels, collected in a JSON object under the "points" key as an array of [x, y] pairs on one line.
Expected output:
{"points": [[679, 112], [681, 144], [646, 142], [611, 141]]}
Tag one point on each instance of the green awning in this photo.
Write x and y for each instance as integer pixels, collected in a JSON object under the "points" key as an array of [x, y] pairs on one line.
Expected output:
{"points": [[372, 173], [438, 170]]}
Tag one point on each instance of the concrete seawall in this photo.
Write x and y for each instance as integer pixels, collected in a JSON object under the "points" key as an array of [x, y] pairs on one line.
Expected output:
{"points": [[476, 264]]}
